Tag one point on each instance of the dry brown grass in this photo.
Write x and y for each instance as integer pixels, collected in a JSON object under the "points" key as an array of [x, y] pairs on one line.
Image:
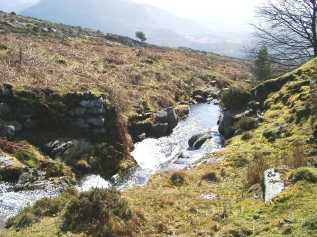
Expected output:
{"points": [[296, 157], [255, 170], [157, 76]]}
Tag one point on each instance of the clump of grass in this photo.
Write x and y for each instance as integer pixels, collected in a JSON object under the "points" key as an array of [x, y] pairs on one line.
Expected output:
{"points": [[210, 177], [46, 207], [179, 179], [255, 170], [297, 158], [246, 136], [99, 213]]}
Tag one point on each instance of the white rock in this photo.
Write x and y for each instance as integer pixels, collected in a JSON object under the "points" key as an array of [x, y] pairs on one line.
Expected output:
{"points": [[273, 184]]}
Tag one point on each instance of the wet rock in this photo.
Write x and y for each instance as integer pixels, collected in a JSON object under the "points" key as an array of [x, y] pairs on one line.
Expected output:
{"points": [[96, 121], [225, 124], [7, 90], [69, 149], [160, 130], [10, 168], [9, 129], [4, 109], [167, 116], [246, 113], [254, 105], [196, 141], [205, 95], [165, 121], [273, 184]]}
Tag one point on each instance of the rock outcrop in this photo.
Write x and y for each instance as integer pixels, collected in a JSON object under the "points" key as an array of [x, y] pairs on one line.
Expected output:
{"points": [[73, 127], [196, 141]]}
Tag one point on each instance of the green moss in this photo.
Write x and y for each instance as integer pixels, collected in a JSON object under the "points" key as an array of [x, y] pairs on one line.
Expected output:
{"points": [[30, 157]]}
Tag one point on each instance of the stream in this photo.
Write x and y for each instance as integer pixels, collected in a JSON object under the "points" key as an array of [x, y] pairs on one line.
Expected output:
{"points": [[152, 156]]}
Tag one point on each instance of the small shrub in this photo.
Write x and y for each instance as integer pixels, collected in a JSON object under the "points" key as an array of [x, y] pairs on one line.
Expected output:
{"points": [[98, 213], [178, 178], [304, 174], [210, 177], [46, 207], [235, 98], [246, 136], [61, 61], [255, 170], [246, 123]]}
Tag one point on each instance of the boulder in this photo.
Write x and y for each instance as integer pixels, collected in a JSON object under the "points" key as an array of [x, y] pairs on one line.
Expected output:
{"points": [[9, 129], [196, 141], [7, 90], [254, 105], [4, 109], [10, 168], [69, 149], [166, 120], [226, 124], [98, 121], [273, 184], [160, 130], [205, 95]]}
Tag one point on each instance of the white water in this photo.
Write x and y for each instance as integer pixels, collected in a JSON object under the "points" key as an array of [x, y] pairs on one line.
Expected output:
{"points": [[12, 202], [152, 156]]}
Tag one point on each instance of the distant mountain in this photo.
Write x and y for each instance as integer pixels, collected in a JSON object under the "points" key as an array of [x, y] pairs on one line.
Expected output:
{"points": [[125, 17]]}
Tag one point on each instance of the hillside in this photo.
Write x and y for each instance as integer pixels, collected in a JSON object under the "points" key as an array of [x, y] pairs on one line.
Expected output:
{"points": [[73, 100], [125, 17], [224, 198]]}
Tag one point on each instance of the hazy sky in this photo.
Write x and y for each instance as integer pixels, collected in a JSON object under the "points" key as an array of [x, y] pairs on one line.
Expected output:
{"points": [[228, 13], [220, 13]]}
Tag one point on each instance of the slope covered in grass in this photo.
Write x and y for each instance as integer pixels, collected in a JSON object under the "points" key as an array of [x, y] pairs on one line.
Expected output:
{"points": [[225, 198]]}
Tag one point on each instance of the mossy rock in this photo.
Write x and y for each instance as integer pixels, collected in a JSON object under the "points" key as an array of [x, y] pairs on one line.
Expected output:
{"points": [[308, 174]]}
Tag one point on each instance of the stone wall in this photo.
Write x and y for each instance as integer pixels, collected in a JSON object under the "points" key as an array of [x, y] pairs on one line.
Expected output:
{"points": [[79, 128]]}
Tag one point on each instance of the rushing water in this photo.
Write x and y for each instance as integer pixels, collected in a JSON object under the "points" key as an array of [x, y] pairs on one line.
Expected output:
{"points": [[152, 156]]}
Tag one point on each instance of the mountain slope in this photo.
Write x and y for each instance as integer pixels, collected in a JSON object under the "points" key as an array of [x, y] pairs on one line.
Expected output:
{"points": [[125, 18]]}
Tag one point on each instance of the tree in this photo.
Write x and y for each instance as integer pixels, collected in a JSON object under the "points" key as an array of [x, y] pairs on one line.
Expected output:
{"points": [[141, 36], [288, 29], [262, 65]]}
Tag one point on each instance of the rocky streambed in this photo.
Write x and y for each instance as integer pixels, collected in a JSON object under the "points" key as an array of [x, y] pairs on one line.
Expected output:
{"points": [[152, 155]]}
